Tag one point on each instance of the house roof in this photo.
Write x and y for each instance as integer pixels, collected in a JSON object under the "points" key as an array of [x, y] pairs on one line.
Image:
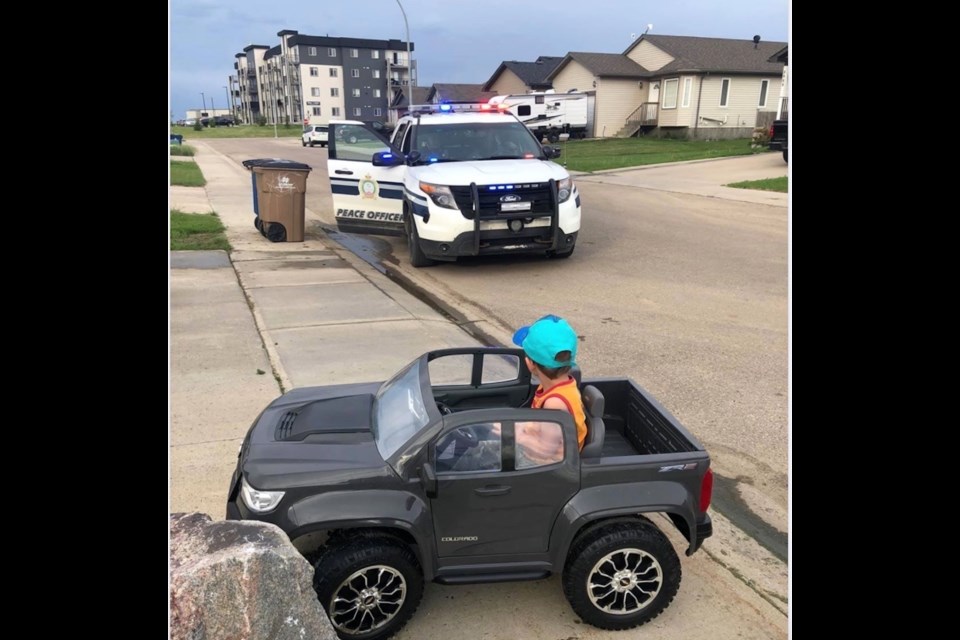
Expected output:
{"points": [[609, 65], [275, 51], [779, 56], [419, 96], [533, 74], [459, 93], [715, 54]]}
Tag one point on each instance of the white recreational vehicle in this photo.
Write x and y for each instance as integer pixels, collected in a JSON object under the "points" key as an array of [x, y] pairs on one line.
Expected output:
{"points": [[548, 113]]}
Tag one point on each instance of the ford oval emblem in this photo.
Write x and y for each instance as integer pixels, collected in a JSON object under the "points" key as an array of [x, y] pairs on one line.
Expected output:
{"points": [[510, 197]]}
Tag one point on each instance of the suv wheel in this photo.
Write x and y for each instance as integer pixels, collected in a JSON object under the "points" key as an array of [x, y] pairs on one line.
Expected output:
{"points": [[303, 142], [312, 143], [369, 588], [417, 257], [623, 576]]}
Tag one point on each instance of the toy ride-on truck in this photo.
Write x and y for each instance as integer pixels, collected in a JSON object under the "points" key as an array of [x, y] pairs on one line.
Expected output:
{"points": [[444, 473]]}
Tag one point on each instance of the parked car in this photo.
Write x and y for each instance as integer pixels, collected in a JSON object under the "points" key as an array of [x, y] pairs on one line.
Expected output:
{"points": [[314, 134], [224, 121], [382, 127], [189, 122]]}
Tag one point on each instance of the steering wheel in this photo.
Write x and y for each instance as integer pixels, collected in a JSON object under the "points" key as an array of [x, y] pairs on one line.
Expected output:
{"points": [[466, 436], [444, 409]]}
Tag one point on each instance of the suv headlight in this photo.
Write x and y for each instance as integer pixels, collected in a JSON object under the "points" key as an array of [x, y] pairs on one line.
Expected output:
{"points": [[259, 501], [564, 189], [441, 196]]}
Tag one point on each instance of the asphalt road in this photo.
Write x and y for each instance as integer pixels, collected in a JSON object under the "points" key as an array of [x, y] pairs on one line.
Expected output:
{"points": [[678, 282]]}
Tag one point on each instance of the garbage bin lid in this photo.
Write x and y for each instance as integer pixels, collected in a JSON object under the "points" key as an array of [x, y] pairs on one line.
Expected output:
{"points": [[275, 163]]}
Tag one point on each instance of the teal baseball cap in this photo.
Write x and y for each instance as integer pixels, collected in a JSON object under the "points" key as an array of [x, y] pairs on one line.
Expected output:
{"points": [[545, 338]]}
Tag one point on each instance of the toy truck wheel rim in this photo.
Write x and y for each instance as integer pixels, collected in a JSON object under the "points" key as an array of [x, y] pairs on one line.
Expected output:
{"points": [[367, 600], [624, 582]]}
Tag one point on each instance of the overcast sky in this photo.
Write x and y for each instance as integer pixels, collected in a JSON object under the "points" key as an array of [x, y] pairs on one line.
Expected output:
{"points": [[456, 41]]}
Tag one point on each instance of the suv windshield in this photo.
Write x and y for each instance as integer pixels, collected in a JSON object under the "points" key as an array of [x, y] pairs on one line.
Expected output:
{"points": [[474, 141], [398, 410]]}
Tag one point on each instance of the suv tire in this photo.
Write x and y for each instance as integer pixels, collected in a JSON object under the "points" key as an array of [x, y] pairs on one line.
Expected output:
{"points": [[417, 257], [611, 575], [377, 576]]}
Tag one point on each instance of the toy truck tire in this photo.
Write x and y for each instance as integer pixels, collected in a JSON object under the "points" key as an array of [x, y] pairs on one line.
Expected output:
{"points": [[622, 576], [369, 588]]}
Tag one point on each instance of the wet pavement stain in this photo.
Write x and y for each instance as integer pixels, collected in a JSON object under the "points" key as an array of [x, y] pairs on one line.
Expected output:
{"points": [[727, 500]]}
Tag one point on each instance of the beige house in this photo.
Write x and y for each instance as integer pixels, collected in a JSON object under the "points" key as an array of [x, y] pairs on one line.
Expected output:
{"points": [[514, 77], [689, 86]]}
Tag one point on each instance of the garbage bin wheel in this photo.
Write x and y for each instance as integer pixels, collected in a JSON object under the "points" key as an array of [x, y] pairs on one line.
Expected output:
{"points": [[258, 224], [276, 232]]}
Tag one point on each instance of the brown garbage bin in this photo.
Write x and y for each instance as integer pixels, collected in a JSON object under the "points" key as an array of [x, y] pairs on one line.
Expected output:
{"points": [[281, 198]]}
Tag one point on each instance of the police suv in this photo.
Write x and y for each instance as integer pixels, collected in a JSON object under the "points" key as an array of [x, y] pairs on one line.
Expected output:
{"points": [[455, 180]]}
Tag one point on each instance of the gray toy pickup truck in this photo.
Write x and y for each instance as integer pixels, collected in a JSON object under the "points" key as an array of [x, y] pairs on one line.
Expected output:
{"points": [[443, 473]]}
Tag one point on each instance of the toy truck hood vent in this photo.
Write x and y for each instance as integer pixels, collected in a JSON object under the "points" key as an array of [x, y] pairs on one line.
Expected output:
{"points": [[346, 414]]}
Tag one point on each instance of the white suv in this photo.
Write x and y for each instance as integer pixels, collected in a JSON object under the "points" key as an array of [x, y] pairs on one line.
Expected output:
{"points": [[314, 135], [457, 180]]}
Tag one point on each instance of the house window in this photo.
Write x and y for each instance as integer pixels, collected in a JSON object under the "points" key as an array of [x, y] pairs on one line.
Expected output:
{"points": [[670, 88], [377, 111], [376, 93], [724, 92], [354, 53], [313, 51], [333, 72], [334, 92], [335, 112], [314, 71], [357, 111], [376, 73], [316, 111], [331, 52], [687, 90], [763, 93], [355, 93], [375, 53], [354, 73], [315, 91]]}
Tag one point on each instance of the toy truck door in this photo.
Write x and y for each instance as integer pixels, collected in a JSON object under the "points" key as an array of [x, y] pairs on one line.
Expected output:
{"points": [[490, 501], [366, 198]]}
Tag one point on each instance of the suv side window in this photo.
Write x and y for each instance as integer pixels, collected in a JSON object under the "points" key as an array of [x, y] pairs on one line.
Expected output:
{"points": [[469, 449], [398, 140]]}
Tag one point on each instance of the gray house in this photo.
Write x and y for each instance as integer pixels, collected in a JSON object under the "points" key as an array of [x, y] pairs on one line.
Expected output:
{"points": [[513, 77]]}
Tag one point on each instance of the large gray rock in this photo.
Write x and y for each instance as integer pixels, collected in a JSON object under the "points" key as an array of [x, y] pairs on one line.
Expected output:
{"points": [[240, 580]]}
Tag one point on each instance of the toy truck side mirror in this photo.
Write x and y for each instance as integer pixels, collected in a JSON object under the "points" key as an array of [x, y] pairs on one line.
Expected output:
{"points": [[429, 479]]}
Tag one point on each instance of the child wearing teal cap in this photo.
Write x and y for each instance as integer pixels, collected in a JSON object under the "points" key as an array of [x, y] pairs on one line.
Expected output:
{"points": [[550, 347]]}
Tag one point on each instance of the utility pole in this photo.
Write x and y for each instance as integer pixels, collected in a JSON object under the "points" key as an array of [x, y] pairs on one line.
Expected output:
{"points": [[409, 60], [204, 98]]}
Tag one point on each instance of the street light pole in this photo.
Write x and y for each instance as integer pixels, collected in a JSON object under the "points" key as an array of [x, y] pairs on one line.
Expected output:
{"points": [[229, 102], [204, 98], [409, 60]]}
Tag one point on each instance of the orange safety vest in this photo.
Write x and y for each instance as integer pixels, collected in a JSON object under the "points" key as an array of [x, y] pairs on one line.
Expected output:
{"points": [[570, 394]]}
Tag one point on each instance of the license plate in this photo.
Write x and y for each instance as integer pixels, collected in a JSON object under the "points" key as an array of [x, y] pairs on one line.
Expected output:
{"points": [[514, 206]]}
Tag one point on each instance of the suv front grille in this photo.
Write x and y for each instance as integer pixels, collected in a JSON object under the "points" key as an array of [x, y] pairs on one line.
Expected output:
{"points": [[538, 194]]}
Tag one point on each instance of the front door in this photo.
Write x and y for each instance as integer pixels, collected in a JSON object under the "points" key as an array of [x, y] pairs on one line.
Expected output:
{"points": [[366, 199], [489, 501], [655, 92]]}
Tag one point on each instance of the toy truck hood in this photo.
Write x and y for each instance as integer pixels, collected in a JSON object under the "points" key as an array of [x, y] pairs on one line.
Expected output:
{"points": [[489, 172], [314, 436]]}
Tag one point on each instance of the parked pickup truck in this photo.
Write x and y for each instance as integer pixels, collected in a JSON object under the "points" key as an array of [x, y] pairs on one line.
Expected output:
{"points": [[444, 473], [778, 137]]}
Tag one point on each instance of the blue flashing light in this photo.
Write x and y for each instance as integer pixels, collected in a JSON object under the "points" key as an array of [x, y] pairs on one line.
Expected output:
{"points": [[387, 156], [445, 107], [432, 159]]}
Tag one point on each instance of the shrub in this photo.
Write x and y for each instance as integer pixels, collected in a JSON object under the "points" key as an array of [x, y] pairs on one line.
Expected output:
{"points": [[197, 126], [181, 150], [262, 120], [761, 136]]}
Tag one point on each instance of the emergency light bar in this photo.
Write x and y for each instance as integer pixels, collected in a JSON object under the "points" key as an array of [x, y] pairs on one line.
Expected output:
{"points": [[465, 107]]}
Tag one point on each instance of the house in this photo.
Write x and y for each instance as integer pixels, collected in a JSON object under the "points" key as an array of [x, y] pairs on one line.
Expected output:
{"points": [[458, 93], [513, 77], [398, 108], [679, 85], [783, 109]]}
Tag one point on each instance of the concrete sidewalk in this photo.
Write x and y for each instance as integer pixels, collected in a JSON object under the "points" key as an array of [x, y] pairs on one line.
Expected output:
{"points": [[268, 318]]}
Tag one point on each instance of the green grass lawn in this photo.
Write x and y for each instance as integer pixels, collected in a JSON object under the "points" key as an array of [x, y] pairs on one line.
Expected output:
{"points": [[770, 184], [186, 173], [614, 153], [196, 232], [182, 150], [239, 131]]}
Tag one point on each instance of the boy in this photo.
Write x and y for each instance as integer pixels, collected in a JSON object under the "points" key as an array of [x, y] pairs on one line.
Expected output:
{"points": [[550, 347]]}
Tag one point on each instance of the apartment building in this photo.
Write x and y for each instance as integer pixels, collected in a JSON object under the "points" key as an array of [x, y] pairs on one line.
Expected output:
{"points": [[318, 78]]}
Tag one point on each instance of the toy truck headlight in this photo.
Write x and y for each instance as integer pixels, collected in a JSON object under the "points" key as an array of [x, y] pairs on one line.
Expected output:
{"points": [[441, 196], [259, 501], [564, 189]]}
